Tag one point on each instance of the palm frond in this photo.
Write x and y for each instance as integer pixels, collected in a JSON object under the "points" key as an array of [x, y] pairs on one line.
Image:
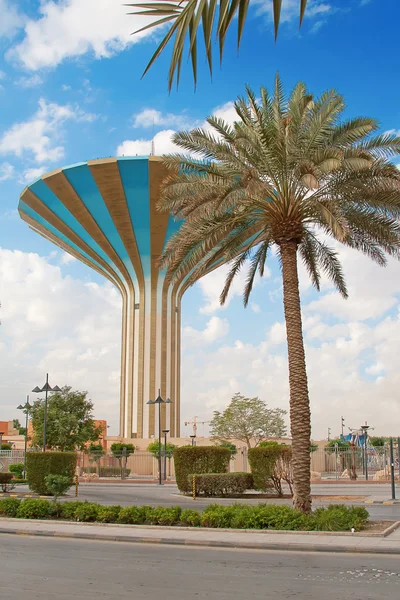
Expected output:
{"points": [[286, 171], [186, 17]]}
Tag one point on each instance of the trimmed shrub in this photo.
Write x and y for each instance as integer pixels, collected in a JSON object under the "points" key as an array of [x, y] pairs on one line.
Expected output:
{"points": [[197, 459], [216, 515], [68, 509], [108, 514], [190, 518], [5, 482], [41, 464], [9, 507], [57, 485], [272, 516], [33, 508], [133, 515], [87, 512], [164, 516], [17, 469], [338, 517], [264, 461], [222, 484], [107, 471]]}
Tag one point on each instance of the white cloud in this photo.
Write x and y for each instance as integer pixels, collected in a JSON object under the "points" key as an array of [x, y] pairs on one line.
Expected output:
{"points": [[226, 112], [29, 82], [72, 28], [373, 290], [72, 330], [2, 75], [67, 258], [39, 136], [150, 116], [30, 175], [6, 171], [162, 142], [211, 286], [215, 329], [65, 88], [393, 132], [290, 10], [163, 139], [351, 351], [11, 19], [255, 307]]}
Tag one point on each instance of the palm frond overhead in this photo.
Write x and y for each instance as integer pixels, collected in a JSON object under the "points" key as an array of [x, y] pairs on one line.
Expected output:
{"points": [[188, 16]]}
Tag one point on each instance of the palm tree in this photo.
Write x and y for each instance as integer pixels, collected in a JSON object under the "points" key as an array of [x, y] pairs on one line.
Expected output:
{"points": [[186, 16], [288, 175]]}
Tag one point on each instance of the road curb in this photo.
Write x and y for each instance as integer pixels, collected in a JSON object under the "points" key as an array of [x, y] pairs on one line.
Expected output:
{"points": [[382, 502], [294, 547]]}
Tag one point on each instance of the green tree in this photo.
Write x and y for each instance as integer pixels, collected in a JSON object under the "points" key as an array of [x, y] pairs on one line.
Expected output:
{"points": [[231, 447], [122, 451], [289, 174], [186, 17], [70, 423], [337, 443], [378, 442], [248, 420], [95, 452], [154, 448]]}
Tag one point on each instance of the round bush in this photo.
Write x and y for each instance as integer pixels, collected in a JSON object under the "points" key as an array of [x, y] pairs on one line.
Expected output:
{"points": [[163, 516], [196, 459], [190, 518], [9, 507], [108, 514], [133, 515], [41, 464], [17, 469], [33, 508], [87, 512], [68, 509]]}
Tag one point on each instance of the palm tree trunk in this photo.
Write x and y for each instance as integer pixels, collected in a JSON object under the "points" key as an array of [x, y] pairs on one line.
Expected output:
{"points": [[300, 417]]}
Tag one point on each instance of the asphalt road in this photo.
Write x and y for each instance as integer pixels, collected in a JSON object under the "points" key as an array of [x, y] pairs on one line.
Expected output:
{"points": [[39, 568]]}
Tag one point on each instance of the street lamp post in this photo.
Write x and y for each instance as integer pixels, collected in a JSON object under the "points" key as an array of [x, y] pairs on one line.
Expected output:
{"points": [[26, 409], [159, 401], [193, 440], [46, 388], [165, 432], [364, 429]]}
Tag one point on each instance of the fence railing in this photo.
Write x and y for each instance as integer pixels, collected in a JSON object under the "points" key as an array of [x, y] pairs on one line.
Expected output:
{"points": [[333, 464]]}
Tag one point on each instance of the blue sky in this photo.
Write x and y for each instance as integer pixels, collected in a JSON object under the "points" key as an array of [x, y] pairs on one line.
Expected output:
{"points": [[71, 90]]}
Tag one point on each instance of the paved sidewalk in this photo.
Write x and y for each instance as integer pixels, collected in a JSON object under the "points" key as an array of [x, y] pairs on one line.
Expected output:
{"points": [[262, 540]]}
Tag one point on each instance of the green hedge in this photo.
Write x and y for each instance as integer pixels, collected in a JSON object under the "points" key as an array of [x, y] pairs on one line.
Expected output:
{"points": [[107, 471], [5, 482], [222, 484], [263, 461], [197, 459], [41, 464], [238, 516]]}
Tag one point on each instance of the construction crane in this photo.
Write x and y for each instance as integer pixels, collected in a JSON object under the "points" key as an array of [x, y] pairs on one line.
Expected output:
{"points": [[195, 423]]}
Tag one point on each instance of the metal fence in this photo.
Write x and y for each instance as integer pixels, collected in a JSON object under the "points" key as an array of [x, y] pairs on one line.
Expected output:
{"points": [[333, 464], [138, 466], [354, 463], [10, 457]]}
